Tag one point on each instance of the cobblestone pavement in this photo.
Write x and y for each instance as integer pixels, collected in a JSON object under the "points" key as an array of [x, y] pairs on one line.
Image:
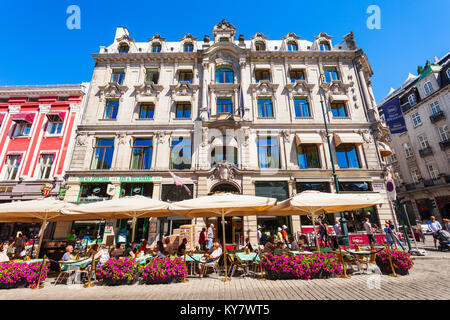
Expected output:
{"points": [[427, 280]]}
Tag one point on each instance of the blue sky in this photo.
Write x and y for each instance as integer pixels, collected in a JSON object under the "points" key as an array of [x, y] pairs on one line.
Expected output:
{"points": [[37, 47]]}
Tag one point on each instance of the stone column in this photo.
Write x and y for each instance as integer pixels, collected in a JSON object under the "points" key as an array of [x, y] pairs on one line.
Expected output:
{"points": [[370, 110]]}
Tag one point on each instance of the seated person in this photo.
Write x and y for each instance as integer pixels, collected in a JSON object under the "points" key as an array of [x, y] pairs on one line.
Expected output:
{"points": [[117, 251], [301, 244], [160, 250], [293, 244], [270, 245], [210, 259], [3, 252], [68, 254], [102, 254], [93, 250], [142, 248], [248, 245], [128, 251], [182, 248], [168, 246]]}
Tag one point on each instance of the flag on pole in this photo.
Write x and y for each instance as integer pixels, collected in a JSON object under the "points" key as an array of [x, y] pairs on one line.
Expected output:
{"points": [[178, 182], [207, 102], [242, 103]]}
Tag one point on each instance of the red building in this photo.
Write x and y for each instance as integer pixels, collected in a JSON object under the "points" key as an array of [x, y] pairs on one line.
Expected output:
{"points": [[37, 136]]}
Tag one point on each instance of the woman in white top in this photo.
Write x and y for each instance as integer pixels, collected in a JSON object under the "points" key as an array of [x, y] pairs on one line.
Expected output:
{"points": [[3, 253], [102, 255]]}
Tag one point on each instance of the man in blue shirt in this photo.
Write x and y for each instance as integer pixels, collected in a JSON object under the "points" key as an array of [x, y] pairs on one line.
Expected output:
{"points": [[434, 226]]}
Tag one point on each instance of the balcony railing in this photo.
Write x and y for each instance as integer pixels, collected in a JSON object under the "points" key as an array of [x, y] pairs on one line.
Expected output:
{"points": [[432, 182], [444, 144], [437, 116], [425, 152]]}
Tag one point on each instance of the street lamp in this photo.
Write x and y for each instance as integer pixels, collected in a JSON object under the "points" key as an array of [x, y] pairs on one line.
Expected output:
{"points": [[344, 228]]}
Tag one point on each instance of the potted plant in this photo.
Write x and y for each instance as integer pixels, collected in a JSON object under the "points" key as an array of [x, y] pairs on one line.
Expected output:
{"points": [[119, 272], [401, 261], [164, 271], [17, 275]]}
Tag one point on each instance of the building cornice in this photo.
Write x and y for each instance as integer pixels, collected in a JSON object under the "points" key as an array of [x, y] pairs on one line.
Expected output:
{"points": [[57, 90]]}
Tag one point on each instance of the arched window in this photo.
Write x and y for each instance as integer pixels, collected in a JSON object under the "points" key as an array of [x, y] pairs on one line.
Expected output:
{"points": [[188, 47], [292, 46], [156, 47], [124, 48], [224, 74], [260, 46], [324, 46]]}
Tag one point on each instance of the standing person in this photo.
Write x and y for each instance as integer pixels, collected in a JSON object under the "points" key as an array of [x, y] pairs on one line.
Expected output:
{"points": [[326, 232], [264, 238], [284, 234], [369, 231], [259, 234], [202, 239], [210, 236], [182, 247], [395, 235], [322, 233], [3, 252], [279, 235], [19, 244], [337, 228], [168, 246], [248, 245], [434, 226], [446, 224], [389, 236]]}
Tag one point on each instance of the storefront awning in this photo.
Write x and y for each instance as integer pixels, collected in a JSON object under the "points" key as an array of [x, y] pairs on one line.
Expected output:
{"points": [[219, 142], [385, 150], [338, 97], [353, 138], [311, 138], [147, 99], [182, 98], [55, 116], [23, 117]]}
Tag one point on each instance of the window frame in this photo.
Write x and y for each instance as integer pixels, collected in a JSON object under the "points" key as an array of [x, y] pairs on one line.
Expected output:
{"points": [[423, 141], [230, 104], [220, 71], [434, 174], [268, 152], [345, 108], [444, 131], [146, 104], [19, 129], [45, 167], [428, 88], [187, 45], [261, 72], [305, 147], [264, 105], [184, 73], [412, 99], [435, 108], [260, 46], [324, 45], [408, 150], [123, 45], [114, 107], [14, 168], [103, 153], [355, 147], [183, 103], [156, 45], [182, 147], [301, 108], [416, 120], [152, 72], [290, 45], [120, 78], [297, 71], [142, 153], [330, 70]]}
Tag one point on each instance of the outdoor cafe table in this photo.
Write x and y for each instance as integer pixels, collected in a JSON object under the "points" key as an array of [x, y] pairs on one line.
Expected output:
{"points": [[76, 264], [34, 261], [297, 253], [362, 252], [196, 258], [247, 258], [143, 259]]}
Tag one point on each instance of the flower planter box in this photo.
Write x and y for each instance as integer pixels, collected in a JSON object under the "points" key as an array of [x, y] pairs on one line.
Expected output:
{"points": [[117, 282], [21, 284], [386, 269], [401, 262]]}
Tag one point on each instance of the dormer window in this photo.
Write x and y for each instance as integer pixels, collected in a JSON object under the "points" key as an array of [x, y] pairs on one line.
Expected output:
{"points": [[292, 46], [156, 47], [188, 47], [124, 48], [260, 46], [262, 74], [428, 87], [224, 74], [324, 46], [412, 99]]}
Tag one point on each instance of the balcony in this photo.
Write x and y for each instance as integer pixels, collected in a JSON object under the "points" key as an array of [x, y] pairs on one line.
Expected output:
{"points": [[444, 144], [425, 152], [435, 117], [432, 182]]}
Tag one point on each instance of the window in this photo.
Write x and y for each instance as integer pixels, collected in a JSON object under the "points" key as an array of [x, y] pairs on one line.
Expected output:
{"points": [[330, 74], [393, 157], [118, 76], [434, 107], [448, 73], [224, 39], [296, 74], [224, 105], [12, 166], [273, 189], [45, 165], [260, 46], [308, 156], [92, 192], [224, 75], [171, 192], [183, 110], [224, 153], [141, 157], [188, 47], [354, 186], [408, 150], [324, 46], [443, 133], [262, 74], [268, 153], [146, 110], [265, 109], [416, 119], [434, 173], [428, 87], [415, 175], [186, 76], [339, 110], [152, 75], [301, 106], [55, 127], [292, 46], [156, 47], [180, 154], [103, 154], [347, 156], [124, 48], [423, 141], [23, 129], [317, 186], [111, 108], [412, 99]]}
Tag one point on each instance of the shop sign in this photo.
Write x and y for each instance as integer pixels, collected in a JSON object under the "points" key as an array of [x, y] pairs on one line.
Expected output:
{"points": [[46, 189], [378, 186], [115, 179], [62, 193], [109, 227]]}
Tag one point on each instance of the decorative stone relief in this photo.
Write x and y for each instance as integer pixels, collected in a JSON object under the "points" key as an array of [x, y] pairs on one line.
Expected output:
{"points": [[44, 108], [223, 171], [204, 137], [112, 91], [124, 139], [366, 135], [82, 140], [14, 108], [75, 107], [286, 134]]}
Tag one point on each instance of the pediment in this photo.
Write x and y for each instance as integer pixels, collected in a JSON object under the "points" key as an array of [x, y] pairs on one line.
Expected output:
{"points": [[112, 90], [300, 87], [336, 87], [148, 89], [184, 88], [264, 87]]}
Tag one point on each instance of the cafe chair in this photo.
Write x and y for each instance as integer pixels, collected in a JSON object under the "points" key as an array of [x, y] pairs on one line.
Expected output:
{"points": [[63, 271], [236, 264], [213, 268]]}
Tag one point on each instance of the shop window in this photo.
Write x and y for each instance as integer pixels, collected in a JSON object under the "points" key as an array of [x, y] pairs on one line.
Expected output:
{"points": [[91, 192], [355, 218], [316, 186], [137, 189], [272, 189], [268, 153], [355, 186], [347, 156], [180, 153], [170, 192], [308, 156]]}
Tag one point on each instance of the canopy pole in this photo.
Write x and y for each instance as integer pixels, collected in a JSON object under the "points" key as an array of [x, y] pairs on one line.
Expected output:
{"points": [[44, 224], [133, 227], [224, 247], [314, 232]]}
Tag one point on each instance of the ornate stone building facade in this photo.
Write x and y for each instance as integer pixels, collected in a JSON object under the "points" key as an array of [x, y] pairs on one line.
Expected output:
{"points": [[232, 115]]}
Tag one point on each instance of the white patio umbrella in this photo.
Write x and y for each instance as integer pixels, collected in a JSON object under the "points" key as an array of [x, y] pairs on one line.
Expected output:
{"points": [[122, 208], [41, 211], [221, 205], [315, 202]]}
